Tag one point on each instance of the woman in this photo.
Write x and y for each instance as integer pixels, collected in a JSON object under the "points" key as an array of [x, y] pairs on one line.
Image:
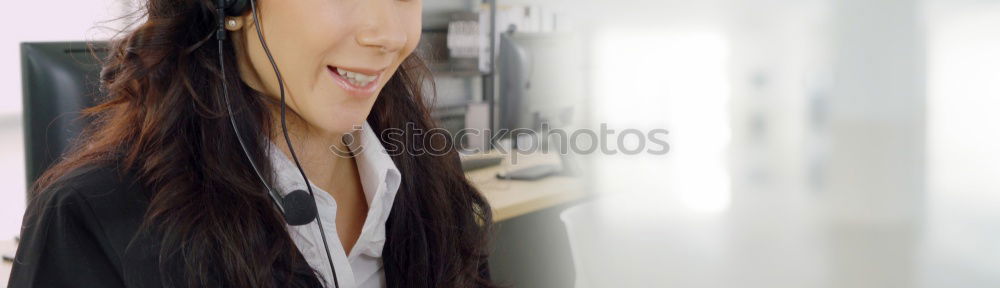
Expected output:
{"points": [[185, 175]]}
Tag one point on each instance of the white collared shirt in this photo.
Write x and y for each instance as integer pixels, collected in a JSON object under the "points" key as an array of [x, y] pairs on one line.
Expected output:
{"points": [[380, 180]]}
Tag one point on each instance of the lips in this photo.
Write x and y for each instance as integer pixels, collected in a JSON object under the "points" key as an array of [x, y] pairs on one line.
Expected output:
{"points": [[357, 82]]}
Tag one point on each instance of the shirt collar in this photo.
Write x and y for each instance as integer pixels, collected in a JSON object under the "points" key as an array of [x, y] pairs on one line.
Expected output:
{"points": [[375, 167]]}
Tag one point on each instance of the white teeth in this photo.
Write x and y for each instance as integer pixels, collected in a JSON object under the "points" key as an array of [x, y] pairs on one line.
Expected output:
{"points": [[355, 77]]}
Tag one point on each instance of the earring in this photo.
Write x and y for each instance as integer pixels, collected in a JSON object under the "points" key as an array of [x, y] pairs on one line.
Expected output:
{"points": [[233, 24]]}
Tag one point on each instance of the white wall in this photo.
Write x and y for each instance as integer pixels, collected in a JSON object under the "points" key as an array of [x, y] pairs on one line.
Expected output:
{"points": [[876, 111], [27, 21]]}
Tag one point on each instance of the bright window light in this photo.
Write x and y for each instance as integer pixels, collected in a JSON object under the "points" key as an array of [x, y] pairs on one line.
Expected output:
{"points": [[678, 80]]}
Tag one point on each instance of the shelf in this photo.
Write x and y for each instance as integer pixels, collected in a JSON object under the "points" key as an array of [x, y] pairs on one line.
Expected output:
{"points": [[456, 69]]}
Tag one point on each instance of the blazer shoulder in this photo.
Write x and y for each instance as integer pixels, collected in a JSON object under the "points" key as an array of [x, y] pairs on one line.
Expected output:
{"points": [[86, 216], [112, 200], [96, 180], [113, 195]]}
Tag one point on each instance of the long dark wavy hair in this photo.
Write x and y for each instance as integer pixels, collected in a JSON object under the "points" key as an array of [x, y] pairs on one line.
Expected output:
{"points": [[164, 118]]}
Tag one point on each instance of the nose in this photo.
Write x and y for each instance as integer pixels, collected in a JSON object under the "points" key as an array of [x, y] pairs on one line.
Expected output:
{"points": [[379, 29]]}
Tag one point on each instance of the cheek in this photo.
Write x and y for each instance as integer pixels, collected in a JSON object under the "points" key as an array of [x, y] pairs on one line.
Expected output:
{"points": [[307, 36], [413, 40], [414, 21], [413, 35]]}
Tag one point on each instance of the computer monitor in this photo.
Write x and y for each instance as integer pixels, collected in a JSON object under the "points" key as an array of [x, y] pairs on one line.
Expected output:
{"points": [[540, 80], [514, 67], [59, 79]]}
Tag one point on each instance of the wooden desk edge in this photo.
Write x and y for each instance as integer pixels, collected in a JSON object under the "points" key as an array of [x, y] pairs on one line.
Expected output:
{"points": [[552, 191], [536, 205]]}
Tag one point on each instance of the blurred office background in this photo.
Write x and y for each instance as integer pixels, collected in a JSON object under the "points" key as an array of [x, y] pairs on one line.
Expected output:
{"points": [[37, 21], [814, 143]]}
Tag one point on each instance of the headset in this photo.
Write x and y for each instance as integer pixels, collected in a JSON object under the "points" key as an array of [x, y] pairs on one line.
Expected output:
{"points": [[298, 207]]}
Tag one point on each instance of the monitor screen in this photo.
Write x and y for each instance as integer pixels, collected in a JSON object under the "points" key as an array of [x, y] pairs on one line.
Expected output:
{"points": [[59, 79]]}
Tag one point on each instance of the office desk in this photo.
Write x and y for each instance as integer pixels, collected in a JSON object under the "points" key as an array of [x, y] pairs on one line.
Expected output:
{"points": [[511, 198]]}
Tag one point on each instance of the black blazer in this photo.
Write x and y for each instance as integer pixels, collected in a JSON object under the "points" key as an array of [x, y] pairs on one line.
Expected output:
{"points": [[83, 232]]}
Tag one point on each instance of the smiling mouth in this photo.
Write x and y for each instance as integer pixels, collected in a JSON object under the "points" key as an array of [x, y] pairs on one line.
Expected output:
{"points": [[358, 83]]}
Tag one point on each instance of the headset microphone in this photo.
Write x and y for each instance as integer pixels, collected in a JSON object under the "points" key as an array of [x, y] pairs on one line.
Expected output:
{"points": [[298, 207]]}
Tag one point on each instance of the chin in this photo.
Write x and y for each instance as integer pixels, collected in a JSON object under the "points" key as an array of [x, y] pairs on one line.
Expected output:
{"points": [[343, 125], [337, 117]]}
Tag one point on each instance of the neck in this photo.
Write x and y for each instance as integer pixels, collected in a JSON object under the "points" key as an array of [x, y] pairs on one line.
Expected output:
{"points": [[314, 148]]}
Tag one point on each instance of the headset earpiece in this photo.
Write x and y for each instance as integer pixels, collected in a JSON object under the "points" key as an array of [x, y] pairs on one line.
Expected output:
{"points": [[236, 7]]}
